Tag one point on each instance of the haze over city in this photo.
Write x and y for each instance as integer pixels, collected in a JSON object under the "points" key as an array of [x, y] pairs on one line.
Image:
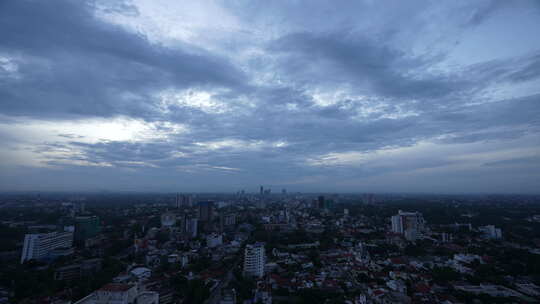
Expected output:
{"points": [[311, 96]]}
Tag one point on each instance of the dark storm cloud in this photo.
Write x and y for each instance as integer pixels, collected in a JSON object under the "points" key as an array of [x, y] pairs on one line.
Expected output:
{"points": [[77, 64]]}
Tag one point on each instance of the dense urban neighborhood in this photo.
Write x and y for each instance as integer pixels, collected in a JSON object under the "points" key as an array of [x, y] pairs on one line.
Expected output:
{"points": [[269, 152], [269, 248]]}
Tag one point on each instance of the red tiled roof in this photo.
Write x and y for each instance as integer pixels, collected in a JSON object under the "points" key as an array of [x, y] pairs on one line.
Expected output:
{"points": [[422, 288], [378, 292], [397, 261]]}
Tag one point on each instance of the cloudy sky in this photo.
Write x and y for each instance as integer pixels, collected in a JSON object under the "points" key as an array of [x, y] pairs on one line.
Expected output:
{"points": [[340, 96]]}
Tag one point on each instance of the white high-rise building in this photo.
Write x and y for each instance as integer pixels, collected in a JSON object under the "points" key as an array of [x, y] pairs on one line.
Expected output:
{"points": [[409, 224], [168, 219], [254, 260], [397, 224], [40, 245]]}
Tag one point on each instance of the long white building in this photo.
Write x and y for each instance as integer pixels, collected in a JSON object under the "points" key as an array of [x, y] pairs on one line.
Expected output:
{"points": [[40, 245], [117, 293], [254, 260]]}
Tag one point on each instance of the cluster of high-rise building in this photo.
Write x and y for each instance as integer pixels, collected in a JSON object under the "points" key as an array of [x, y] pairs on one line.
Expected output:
{"points": [[211, 239], [263, 191], [183, 200], [322, 203], [408, 224], [54, 243]]}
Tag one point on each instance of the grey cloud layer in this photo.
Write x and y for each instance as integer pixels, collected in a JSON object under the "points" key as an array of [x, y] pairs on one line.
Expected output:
{"points": [[377, 94], [77, 64]]}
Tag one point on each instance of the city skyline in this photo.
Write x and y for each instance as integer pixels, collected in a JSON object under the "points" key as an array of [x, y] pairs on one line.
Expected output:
{"points": [[219, 96]]}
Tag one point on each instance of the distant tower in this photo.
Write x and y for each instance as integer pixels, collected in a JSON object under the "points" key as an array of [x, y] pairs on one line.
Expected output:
{"points": [[187, 201], [206, 211], [320, 202], [262, 190], [368, 198], [191, 227]]}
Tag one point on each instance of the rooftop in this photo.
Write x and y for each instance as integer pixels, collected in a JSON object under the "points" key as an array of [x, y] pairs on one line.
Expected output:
{"points": [[116, 287]]}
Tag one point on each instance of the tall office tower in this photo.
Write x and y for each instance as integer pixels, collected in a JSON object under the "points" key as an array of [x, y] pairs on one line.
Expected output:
{"points": [[397, 224], [40, 245], [320, 202], [283, 216], [314, 204], [328, 204], [254, 260], [206, 211], [177, 202], [283, 191], [86, 227], [409, 224], [187, 200], [262, 190], [191, 227]]}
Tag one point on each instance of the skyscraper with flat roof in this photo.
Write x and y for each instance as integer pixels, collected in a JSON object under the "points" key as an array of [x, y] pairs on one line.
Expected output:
{"points": [[86, 227], [320, 202], [206, 211], [191, 227]]}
